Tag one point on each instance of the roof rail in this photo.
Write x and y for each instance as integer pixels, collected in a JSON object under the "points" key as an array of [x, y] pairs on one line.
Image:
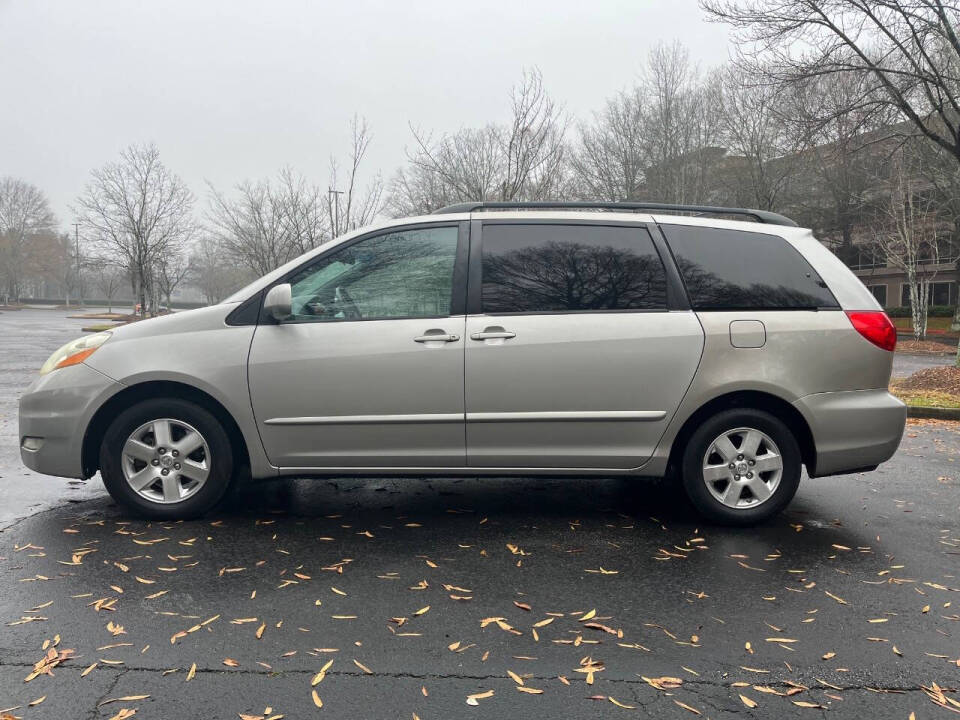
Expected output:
{"points": [[761, 216]]}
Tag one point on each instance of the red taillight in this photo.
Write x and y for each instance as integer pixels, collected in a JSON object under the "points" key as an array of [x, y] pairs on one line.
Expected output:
{"points": [[875, 326]]}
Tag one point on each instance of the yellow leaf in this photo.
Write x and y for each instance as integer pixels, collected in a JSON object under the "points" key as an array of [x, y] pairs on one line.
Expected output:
{"points": [[88, 670], [316, 699], [124, 713], [589, 615], [687, 707], [805, 704], [516, 678], [363, 667], [318, 678], [529, 690], [143, 580], [472, 699], [421, 611], [620, 704], [36, 702], [260, 630], [748, 702], [191, 673]]}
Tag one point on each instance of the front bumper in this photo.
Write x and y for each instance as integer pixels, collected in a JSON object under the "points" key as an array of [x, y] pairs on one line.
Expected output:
{"points": [[54, 414], [852, 430]]}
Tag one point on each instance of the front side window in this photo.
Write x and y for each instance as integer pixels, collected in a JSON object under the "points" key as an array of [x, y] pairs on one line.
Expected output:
{"points": [[531, 268], [404, 274], [736, 270]]}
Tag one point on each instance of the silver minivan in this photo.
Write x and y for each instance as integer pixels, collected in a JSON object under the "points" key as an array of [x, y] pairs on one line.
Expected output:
{"points": [[495, 339]]}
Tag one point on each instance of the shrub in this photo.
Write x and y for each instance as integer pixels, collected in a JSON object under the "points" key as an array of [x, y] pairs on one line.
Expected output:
{"points": [[932, 311]]}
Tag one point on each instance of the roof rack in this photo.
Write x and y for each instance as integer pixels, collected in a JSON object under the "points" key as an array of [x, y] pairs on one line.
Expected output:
{"points": [[761, 216]]}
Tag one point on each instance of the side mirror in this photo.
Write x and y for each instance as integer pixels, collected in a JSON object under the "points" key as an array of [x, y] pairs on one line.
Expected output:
{"points": [[278, 302]]}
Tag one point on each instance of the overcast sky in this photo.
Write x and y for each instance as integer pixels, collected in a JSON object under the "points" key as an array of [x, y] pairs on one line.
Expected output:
{"points": [[231, 90]]}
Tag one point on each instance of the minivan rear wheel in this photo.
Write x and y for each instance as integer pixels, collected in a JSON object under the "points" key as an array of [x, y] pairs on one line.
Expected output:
{"points": [[741, 467], [166, 459]]}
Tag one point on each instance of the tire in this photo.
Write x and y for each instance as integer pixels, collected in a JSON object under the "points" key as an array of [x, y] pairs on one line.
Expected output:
{"points": [[195, 481], [753, 497]]}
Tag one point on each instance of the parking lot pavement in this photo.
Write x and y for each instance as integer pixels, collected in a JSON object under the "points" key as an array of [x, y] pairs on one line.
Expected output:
{"points": [[906, 364], [449, 598]]}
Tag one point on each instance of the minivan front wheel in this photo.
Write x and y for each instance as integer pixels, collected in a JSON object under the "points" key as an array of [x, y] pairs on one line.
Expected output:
{"points": [[741, 467], [166, 459]]}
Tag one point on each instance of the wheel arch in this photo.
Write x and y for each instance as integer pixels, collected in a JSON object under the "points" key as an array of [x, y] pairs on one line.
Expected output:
{"points": [[757, 400], [97, 427]]}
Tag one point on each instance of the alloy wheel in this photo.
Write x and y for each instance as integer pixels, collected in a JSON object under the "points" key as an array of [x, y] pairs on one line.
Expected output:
{"points": [[742, 468], [166, 461]]}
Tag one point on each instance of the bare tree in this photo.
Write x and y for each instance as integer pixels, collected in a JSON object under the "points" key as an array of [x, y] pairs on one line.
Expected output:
{"points": [[169, 271], [756, 135], [908, 49], [252, 226], [610, 155], [350, 207], [305, 213], [24, 214], [907, 239], [212, 272], [681, 129], [842, 129], [109, 278], [266, 223], [522, 160], [139, 210]]}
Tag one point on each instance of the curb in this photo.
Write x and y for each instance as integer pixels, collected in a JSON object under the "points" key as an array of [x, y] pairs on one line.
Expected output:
{"points": [[933, 413]]}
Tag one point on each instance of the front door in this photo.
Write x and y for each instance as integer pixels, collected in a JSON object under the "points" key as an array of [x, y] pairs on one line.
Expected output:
{"points": [[574, 359], [368, 369]]}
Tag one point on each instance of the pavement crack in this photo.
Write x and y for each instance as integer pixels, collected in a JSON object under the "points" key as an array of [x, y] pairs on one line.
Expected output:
{"points": [[95, 711]]}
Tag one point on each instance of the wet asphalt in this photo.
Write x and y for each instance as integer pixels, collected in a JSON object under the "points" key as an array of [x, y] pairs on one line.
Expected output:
{"points": [[519, 592]]}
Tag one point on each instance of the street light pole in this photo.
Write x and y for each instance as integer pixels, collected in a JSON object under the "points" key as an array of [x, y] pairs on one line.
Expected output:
{"points": [[76, 246]]}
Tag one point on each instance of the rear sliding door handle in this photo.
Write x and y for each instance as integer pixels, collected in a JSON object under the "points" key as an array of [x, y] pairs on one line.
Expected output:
{"points": [[493, 333], [436, 337]]}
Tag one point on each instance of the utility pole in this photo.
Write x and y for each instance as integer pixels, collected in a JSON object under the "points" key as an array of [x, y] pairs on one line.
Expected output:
{"points": [[76, 241], [336, 208]]}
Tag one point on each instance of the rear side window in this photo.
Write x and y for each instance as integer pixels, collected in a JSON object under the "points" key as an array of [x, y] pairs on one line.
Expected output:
{"points": [[734, 270], [545, 268]]}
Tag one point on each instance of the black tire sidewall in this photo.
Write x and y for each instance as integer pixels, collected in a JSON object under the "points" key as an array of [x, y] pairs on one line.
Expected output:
{"points": [[696, 489], [221, 460]]}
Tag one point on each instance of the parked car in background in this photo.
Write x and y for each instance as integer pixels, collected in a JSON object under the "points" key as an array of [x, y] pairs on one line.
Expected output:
{"points": [[495, 339]]}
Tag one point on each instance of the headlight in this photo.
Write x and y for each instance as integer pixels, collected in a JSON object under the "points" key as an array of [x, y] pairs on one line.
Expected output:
{"points": [[74, 352]]}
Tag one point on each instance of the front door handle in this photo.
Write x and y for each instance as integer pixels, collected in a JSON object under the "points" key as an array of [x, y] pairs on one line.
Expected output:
{"points": [[493, 333], [437, 336]]}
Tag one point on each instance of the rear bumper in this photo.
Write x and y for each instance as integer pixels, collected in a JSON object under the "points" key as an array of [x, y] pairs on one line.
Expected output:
{"points": [[852, 430], [54, 414]]}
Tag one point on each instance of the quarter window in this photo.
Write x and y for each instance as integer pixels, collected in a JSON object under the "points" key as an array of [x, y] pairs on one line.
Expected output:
{"points": [[734, 270], [406, 274], [530, 268]]}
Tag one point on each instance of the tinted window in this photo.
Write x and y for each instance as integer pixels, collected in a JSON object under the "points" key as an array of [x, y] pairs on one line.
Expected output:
{"points": [[731, 269], [406, 274], [564, 268]]}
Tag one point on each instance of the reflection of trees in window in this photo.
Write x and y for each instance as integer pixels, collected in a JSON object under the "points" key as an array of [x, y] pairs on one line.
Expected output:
{"points": [[708, 291], [564, 276], [408, 274]]}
